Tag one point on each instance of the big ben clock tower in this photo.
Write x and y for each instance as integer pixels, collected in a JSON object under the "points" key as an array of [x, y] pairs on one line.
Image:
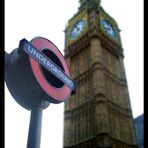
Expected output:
{"points": [[99, 115]]}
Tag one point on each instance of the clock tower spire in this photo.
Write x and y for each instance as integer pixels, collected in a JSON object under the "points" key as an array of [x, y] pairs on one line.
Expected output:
{"points": [[84, 3], [99, 115]]}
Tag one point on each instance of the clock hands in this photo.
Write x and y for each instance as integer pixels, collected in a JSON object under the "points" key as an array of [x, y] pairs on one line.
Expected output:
{"points": [[77, 29], [109, 29]]}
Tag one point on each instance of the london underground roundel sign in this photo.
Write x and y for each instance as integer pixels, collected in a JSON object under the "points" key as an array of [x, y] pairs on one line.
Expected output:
{"points": [[49, 68]]}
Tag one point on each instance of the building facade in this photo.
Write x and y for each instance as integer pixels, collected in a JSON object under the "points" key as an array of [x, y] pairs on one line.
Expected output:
{"points": [[99, 115], [139, 127]]}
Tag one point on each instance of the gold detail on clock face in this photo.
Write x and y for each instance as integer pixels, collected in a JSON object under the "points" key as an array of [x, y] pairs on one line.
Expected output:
{"points": [[77, 29]]}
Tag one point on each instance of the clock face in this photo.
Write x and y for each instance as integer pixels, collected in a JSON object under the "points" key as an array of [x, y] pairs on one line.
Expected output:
{"points": [[77, 29], [108, 28]]}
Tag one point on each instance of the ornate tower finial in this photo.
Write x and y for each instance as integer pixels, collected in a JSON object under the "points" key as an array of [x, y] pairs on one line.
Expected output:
{"points": [[84, 3]]}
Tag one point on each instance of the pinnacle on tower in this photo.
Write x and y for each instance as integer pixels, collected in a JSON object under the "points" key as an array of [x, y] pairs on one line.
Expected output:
{"points": [[84, 3]]}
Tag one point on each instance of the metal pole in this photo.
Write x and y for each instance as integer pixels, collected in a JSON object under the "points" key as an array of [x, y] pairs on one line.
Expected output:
{"points": [[34, 134]]}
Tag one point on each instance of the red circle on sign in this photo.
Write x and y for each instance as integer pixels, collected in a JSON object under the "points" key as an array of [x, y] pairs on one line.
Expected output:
{"points": [[59, 94]]}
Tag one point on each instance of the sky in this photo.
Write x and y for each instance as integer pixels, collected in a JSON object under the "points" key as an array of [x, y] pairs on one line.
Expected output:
{"points": [[46, 18]]}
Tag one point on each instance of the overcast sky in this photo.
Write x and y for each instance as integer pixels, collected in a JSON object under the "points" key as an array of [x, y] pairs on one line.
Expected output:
{"points": [[46, 18]]}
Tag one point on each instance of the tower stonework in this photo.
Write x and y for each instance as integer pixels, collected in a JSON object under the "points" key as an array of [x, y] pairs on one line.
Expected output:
{"points": [[99, 115]]}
